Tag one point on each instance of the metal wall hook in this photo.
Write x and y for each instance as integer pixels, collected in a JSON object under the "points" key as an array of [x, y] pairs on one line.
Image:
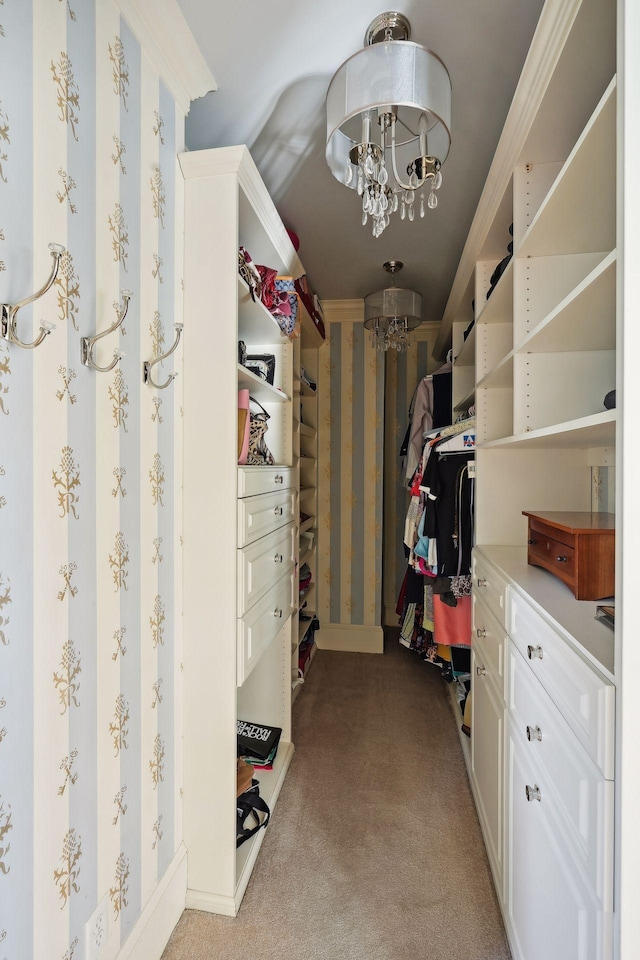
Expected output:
{"points": [[87, 344], [9, 311], [148, 364]]}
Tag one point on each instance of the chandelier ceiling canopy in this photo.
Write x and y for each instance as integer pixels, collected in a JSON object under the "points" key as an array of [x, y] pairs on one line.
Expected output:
{"points": [[388, 122]]}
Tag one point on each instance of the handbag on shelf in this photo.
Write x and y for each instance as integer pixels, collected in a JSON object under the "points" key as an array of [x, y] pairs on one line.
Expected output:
{"points": [[259, 453], [249, 273], [243, 425], [250, 804], [263, 365]]}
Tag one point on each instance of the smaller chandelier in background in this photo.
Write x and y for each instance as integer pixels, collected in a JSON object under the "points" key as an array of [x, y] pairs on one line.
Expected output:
{"points": [[404, 89], [391, 314]]}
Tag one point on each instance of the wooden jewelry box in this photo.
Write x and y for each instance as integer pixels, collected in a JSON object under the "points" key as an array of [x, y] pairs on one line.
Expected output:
{"points": [[579, 548]]}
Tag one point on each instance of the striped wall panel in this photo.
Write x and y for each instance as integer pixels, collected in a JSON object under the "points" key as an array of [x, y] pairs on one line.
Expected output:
{"points": [[90, 506]]}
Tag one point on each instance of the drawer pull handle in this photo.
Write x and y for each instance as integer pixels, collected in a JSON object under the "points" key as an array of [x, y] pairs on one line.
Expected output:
{"points": [[277, 613], [481, 582], [277, 558], [278, 478], [531, 542], [481, 671], [533, 793], [534, 653], [534, 733], [481, 633], [562, 559], [278, 511]]}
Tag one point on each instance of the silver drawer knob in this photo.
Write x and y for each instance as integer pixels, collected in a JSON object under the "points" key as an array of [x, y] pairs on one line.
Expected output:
{"points": [[481, 671], [481, 582], [277, 558], [562, 559], [534, 733], [278, 511], [481, 633], [534, 653], [531, 541], [277, 613], [533, 793], [278, 478]]}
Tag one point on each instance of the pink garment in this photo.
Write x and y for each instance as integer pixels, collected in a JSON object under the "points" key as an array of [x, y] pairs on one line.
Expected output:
{"points": [[452, 624]]}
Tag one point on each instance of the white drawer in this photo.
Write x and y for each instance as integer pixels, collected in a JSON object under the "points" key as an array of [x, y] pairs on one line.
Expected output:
{"points": [[261, 625], [569, 781], [488, 584], [258, 516], [582, 695], [262, 563], [490, 639], [257, 479]]}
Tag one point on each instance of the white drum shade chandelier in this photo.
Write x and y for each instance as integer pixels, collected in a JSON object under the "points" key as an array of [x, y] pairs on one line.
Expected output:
{"points": [[391, 314], [388, 123]]}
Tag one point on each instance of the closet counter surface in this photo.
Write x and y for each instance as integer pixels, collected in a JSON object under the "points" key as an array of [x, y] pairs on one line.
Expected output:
{"points": [[574, 619]]}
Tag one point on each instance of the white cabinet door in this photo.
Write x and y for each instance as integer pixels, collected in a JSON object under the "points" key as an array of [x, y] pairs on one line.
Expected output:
{"points": [[552, 913], [487, 763]]}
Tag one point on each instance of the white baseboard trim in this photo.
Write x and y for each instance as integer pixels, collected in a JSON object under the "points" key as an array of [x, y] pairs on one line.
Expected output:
{"points": [[350, 638], [211, 902], [390, 615], [155, 924]]}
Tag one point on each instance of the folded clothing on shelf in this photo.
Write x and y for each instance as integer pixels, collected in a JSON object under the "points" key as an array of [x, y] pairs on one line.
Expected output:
{"points": [[256, 741], [304, 577]]}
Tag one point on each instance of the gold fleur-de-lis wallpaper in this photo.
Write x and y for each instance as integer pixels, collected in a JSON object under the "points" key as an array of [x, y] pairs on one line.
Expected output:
{"points": [[90, 498]]}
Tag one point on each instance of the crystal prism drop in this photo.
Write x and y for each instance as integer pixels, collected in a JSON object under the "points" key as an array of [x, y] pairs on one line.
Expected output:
{"points": [[437, 181], [411, 213], [432, 202], [395, 203], [402, 211], [364, 218], [413, 181], [348, 174], [422, 208]]}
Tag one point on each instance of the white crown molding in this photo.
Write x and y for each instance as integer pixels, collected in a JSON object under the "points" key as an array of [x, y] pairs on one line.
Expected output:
{"points": [[551, 34], [161, 29], [343, 311]]}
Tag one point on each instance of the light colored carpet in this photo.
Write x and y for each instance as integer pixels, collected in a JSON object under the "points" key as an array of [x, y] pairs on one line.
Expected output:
{"points": [[374, 850]]}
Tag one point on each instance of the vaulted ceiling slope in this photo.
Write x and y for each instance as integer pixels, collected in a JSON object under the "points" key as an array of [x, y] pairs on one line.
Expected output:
{"points": [[273, 63]]}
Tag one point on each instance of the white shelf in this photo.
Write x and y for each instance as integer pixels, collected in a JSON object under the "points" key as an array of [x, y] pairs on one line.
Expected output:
{"points": [[466, 402], [307, 391], [500, 376], [499, 307], [307, 431], [584, 320], [259, 388], [578, 213], [467, 355], [270, 785], [308, 524], [255, 323], [306, 555], [598, 430]]}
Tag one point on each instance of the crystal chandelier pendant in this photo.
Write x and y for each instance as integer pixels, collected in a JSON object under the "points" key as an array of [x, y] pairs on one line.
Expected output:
{"points": [[389, 120]]}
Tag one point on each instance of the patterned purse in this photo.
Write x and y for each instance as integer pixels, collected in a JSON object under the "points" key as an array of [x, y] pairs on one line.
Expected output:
{"points": [[259, 453]]}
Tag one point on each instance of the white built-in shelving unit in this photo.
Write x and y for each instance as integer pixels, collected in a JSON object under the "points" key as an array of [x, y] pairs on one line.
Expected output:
{"points": [[241, 537], [547, 347]]}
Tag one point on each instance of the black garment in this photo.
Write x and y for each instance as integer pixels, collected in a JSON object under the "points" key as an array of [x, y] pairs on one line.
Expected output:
{"points": [[448, 517], [441, 399]]}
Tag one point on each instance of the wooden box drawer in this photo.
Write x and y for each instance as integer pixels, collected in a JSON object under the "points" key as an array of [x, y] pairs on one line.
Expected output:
{"points": [[258, 516], [579, 548], [257, 479], [490, 586], [582, 695], [568, 779], [262, 563], [490, 638], [261, 625]]}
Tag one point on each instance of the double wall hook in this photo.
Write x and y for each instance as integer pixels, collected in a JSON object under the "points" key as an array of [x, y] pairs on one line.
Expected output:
{"points": [[9, 311], [87, 344], [148, 364]]}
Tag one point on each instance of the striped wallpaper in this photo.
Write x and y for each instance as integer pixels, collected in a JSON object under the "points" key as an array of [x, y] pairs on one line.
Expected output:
{"points": [[350, 437], [90, 571]]}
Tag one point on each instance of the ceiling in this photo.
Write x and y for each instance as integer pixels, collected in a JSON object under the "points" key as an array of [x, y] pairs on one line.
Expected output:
{"points": [[273, 63]]}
